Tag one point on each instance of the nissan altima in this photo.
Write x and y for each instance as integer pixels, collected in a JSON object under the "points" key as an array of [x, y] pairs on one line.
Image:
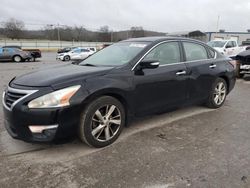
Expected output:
{"points": [[97, 97]]}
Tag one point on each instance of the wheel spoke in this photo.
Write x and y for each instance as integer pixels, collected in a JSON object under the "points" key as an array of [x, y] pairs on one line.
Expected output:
{"points": [[111, 110], [107, 133], [220, 86], [115, 117], [96, 120], [220, 99], [99, 115], [97, 129], [100, 133], [216, 99], [111, 130], [117, 122]]}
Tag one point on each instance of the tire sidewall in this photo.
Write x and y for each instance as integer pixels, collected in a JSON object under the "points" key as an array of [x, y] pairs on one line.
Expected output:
{"points": [[85, 128]]}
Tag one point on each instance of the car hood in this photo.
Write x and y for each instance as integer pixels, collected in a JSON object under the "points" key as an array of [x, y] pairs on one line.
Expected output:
{"points": [[218, 49], [59, 74], [244, 56]]}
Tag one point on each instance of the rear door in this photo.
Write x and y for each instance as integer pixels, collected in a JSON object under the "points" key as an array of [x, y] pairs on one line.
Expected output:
{"points": [[163, 87], [202, 70]]}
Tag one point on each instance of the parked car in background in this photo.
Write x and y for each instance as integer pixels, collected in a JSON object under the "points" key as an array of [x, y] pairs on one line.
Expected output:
{"points": [[35, 53], [91, 48], [230, 48], [14, 54], [75, 54], [65, 50], [243, 65], [131, 78], [84, 53]]}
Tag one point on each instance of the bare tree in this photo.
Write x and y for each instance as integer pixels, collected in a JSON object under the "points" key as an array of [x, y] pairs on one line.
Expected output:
{"points": [[79, 33], [104, 29], [14, 28], [137, 32]]}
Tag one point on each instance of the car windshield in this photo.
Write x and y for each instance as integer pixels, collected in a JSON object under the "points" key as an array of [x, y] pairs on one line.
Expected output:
{"points": [[116, 54], [218, 44]]}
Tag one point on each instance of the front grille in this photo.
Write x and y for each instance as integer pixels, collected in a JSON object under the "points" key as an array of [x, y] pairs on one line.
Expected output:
{"points": [[12, 96]]}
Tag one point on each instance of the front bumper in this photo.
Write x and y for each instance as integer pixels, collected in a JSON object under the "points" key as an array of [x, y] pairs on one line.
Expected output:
{"points": [[61, 122], [17, 124], [60, 58]]}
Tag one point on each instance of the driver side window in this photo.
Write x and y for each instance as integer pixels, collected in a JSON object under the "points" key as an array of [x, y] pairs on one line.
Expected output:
{"points": [[166, 53]]}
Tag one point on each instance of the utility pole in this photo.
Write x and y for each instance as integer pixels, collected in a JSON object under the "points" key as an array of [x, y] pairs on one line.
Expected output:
{"points": [[58, 35], [217, 25]]}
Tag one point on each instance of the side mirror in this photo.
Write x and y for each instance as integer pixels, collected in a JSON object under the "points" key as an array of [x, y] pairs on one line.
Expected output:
{"points": [[149, 64]]}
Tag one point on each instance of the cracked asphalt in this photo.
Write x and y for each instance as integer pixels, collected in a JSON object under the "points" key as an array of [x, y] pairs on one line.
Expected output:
{"points": [[190, 147]]}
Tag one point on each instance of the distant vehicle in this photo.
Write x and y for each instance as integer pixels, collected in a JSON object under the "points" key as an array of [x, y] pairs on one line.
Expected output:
{"points": [[65, 50], [230, 48], [91, 48], [97, 97], [14, 54], [243, 66], [35, 53], [75, 54]]}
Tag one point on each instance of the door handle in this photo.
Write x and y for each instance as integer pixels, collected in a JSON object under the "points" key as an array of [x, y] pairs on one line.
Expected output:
{"points": [[212, 66], [181, 73]]}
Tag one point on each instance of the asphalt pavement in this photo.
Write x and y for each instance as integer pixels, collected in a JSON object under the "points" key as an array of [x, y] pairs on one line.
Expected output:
{"points": [[190, 147]]}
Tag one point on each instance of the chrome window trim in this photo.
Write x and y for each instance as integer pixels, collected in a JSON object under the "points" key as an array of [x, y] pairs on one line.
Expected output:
{"points": [[171, 63], [20, 91]]}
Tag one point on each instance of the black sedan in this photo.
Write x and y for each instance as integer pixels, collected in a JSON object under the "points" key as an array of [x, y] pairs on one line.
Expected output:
{"points": [[97, 97]]}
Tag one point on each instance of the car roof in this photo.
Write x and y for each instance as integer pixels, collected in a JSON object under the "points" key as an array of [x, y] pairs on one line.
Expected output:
{"points": [[157, 39]]}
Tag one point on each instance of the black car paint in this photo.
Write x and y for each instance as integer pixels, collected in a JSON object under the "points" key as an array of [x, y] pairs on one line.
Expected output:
{"points": [[153, 91]]}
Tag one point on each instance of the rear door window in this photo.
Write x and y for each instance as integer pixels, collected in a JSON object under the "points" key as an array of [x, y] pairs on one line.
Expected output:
{"points": [[194, 52]]}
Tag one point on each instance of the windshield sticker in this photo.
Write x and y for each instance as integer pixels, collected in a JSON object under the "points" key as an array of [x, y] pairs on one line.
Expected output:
{"points": [[137, 45]]}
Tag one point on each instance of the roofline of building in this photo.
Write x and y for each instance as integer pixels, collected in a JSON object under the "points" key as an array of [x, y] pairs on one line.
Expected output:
{"points": [[227, 32]]}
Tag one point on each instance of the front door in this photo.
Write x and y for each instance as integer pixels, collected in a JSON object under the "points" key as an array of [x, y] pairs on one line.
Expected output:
{"points": [[163, 87]]}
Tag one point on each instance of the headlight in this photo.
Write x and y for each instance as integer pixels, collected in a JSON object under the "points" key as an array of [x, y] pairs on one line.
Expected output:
{"points": [[55, 99]]}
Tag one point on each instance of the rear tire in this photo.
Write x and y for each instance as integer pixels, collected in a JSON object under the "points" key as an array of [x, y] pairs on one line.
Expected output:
{"points": [[102, 122], [17, 59], [217, 94]]}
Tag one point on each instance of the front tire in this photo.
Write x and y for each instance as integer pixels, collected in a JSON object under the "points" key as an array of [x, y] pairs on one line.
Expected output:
{"points": [[102, 122], [66, 58], [218, 94]]}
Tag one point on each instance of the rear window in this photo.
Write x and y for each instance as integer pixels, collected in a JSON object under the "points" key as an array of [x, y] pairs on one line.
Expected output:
{"points": [[194, 51]]}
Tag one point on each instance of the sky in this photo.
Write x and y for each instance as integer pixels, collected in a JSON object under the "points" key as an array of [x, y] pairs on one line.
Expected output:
{"points": [[157, 15]]}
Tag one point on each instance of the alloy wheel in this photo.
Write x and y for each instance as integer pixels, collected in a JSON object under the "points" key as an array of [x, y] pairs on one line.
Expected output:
{"points": [[219, 93], [105, 123]]}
